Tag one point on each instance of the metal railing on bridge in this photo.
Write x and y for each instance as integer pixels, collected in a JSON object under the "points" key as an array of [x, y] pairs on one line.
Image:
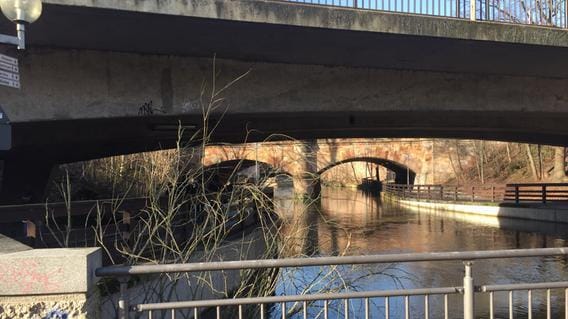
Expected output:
{"points": [[529, 193], [302, 302], [546, 13]]}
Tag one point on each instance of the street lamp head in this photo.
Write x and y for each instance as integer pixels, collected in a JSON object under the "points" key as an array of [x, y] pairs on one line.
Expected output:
{"points": [[21, 11]]}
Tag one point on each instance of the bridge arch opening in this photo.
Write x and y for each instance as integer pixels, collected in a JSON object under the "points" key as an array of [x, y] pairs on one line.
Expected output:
{"points": [[244, 170], [403, 173]]}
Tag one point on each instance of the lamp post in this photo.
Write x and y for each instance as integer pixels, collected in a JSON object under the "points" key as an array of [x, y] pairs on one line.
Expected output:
{"points": [[22, 13]]}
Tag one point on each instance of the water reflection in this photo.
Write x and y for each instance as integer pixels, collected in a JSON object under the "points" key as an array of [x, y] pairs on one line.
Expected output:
{"points": [[348, 222]]}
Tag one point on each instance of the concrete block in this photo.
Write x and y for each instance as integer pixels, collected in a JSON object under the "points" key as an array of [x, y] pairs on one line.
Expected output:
{"points": [[49, 271]]}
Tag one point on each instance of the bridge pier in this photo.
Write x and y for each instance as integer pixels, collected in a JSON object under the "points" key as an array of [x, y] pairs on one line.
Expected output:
{"points": [[306, 180]]}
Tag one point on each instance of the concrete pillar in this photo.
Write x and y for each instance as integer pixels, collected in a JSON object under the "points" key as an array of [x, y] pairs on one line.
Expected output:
{"points": [[306, 181], [35, 282]]}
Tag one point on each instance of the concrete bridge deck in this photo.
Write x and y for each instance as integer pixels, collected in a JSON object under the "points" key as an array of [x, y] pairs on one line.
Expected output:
{"points": [[288, 32], [106, 77]]}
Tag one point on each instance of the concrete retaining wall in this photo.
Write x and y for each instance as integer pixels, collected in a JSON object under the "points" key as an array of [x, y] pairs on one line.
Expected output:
{"points": [[34, 282], [555, 215]]}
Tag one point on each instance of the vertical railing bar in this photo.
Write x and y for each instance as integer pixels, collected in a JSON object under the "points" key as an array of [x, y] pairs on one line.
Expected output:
{"points": [[468, 291], [123, 299], [218, 312], [491, 306], [305, 306], [566, 19], [406, 308], [173, 314], [325, 309], [387, 306], [566, 303], [426, 307], [240, 311], [446, 311], [283, 308], [510, 304], [261, 311], [149, 314], [346, 302], [366, 308], [548, 307], [529, 304]]}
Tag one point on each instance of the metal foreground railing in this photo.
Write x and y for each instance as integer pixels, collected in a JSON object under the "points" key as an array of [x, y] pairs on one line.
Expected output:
{"points": [[537, 12], [468, 290]]}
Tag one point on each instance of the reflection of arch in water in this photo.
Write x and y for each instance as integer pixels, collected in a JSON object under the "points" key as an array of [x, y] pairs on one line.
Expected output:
{"points": [[399, 170], [232, 170]]}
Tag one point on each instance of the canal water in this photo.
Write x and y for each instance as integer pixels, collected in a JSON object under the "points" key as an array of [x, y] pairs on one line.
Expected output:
{"points": [[348, 222]]}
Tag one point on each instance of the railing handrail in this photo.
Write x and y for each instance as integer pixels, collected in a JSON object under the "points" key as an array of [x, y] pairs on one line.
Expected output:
{"points": [[10, 213], [297, 298], [510, 193], [480, 185], [120, 271], [513, 13], [536, 184]]}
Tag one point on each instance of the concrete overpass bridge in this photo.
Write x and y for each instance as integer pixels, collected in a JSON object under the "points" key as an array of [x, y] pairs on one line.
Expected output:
{"points": [[112, 77]]}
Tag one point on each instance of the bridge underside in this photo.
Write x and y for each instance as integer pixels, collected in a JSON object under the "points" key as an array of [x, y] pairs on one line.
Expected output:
{"points": [[63, 141], [39, 146]]}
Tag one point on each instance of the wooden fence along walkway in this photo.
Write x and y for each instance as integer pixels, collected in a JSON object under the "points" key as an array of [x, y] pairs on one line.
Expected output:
{"points": [[542, 193]]}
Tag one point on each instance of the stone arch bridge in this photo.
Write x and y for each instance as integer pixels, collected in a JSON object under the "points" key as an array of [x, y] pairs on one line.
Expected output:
{"points": [[412, 159]]}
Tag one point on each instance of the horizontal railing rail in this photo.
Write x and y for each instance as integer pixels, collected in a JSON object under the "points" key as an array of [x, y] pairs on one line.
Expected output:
{"points": [[500, 193], [546, 13], [35, 217], [455, 193], [468, 290], [37, 211], [118, 271]]}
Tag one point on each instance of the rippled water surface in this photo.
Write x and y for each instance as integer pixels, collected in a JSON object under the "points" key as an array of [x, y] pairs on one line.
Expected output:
{"points": [[349, 222]]}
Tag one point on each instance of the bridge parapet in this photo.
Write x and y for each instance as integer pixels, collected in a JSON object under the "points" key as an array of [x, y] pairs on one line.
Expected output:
{"points": [[551, 13]]}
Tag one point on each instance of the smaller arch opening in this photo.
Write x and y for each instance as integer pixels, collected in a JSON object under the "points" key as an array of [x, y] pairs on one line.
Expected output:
{"points": [[244, 171], [402, 173]]}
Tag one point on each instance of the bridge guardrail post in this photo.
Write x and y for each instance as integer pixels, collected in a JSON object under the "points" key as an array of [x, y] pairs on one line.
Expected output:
{"points": [[493, 193], [441, 192], [516, 194], [473, 193], [30, 232], [468, 292], [455, 193], [544, 194], [123, 308]]}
